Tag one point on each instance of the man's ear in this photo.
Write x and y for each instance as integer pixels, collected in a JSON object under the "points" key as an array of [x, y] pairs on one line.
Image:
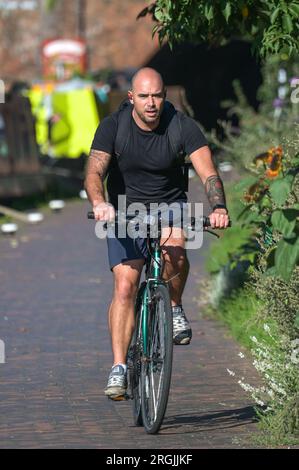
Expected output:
{"points": [[130, 96]]}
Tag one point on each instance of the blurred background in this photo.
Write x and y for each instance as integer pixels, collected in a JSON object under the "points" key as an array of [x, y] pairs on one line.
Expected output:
{"points": [[67, 64]]}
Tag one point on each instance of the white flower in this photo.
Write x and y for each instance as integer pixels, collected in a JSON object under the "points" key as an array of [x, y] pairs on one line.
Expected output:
{"points": [[231, 372], [241, 355], [267, 328], [270, 393], [246, 387], [295, 352], [253, 338], [277, 387], [258, 401]]}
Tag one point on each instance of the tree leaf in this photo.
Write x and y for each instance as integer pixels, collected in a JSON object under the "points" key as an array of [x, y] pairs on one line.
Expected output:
{"points": [[287, 23], [275, 15], [227, 11], [294, 8], [209, 13], [159, 15], [280, 189], [286, 257], [284, 221], [245, 183]]}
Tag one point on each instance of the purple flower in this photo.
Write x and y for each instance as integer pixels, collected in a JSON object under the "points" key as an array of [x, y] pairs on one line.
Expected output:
{"points": [[294, 81], [278, 103]]}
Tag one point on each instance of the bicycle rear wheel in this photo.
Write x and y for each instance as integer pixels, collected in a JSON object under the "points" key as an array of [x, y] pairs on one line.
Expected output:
{"points": [[156, 366]]}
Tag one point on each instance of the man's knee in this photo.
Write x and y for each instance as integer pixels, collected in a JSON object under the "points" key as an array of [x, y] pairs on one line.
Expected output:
{"points": [[175, 255], [125, 290]]}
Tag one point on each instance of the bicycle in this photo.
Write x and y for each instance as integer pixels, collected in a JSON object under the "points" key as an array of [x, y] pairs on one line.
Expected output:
{"points": [[149, 357]]}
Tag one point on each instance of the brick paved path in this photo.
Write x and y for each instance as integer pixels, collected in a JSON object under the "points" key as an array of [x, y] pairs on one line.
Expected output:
{"points": [[55, 289]]}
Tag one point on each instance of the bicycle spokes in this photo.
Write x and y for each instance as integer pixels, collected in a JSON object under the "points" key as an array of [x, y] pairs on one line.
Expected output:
{"points": [[156, 366]]}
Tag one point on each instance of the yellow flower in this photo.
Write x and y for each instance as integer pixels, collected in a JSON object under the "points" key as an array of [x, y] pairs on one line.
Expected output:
{"points": [[274, 162], [245, 11]]}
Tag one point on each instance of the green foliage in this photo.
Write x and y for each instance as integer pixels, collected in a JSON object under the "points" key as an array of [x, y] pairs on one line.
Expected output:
{"points": [[277, 362], [239, 313], [279, 300], [50, 4], [272, 25], [267, 147], [233, 247], [275, 210], [236, 244], [271, 190]]}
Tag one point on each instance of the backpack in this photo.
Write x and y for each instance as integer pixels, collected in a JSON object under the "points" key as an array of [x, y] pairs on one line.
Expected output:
{"points": [[124, 116]]}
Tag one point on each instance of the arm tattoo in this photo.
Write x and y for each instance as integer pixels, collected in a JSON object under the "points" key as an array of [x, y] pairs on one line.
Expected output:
{"points": [[96, 169], [215, 191], [98, 163]]}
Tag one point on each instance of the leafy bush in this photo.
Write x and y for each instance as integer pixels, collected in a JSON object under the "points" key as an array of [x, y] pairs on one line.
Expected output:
{"points": [[267, 147], [273, 207], [271, 24]]}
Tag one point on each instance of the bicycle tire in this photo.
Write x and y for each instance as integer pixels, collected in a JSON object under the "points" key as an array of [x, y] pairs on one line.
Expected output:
{"points": [[134, 360], [154, 387]]}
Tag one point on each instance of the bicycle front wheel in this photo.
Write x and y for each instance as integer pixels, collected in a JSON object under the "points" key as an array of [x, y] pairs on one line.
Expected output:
{"points": [[157, 363], [134, 360]]}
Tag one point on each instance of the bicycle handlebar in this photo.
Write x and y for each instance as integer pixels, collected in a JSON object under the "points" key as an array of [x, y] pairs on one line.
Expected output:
{"points": [[203, 221]]}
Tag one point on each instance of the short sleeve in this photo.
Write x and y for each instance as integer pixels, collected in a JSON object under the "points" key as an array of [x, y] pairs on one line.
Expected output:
{"points": [[105, 134], [193, 138]]}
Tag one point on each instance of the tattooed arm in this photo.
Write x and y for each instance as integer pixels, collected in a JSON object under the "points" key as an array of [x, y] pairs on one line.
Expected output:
{"points": [[204, 167], [215, 192], [96, 169]]}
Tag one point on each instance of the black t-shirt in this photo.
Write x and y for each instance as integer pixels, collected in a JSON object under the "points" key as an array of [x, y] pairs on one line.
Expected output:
{"points": [[147, 171]]}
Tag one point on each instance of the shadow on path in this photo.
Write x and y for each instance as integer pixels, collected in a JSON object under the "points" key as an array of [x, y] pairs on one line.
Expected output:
{"points": [[216, 420]]}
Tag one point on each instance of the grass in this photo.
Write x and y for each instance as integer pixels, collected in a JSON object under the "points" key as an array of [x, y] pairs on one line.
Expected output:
{"points": [[239, 313]]}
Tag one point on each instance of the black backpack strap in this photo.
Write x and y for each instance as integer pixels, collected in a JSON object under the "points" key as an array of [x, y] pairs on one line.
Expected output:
{"points": [[123, 128], [175, 136], [176, 142]]}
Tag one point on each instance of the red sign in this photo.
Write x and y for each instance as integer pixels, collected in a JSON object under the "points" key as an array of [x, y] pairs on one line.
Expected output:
{"points": [[63, 57]]}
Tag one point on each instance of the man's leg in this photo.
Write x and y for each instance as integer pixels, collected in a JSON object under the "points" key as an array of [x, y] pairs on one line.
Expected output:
{"points": [[121, 311], [121, 323], [176, 268], [176, 262]]}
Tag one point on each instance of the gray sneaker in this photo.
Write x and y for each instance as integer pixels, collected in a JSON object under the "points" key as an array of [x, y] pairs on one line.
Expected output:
{"points": [[117, 383], [182, 332]]}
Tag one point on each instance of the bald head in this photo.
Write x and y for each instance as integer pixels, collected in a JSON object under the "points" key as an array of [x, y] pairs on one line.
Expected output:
{"points": [[145, 75], [147, 97]]}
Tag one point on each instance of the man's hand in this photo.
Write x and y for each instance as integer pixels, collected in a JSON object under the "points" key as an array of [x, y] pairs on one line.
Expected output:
{"points": [[219, 218], [103, 211]]}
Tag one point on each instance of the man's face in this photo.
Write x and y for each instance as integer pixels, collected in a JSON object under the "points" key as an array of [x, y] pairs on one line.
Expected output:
{"points": [[148, 96]]}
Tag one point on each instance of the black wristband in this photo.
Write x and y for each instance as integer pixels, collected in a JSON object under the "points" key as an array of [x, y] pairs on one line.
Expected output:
{"points": [[220, 206]]}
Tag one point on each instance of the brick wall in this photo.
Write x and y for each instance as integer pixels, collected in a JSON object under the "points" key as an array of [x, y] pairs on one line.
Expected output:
{"points": [[115, 39]]}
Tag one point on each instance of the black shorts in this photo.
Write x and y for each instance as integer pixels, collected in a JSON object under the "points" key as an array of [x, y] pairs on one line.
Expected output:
{"points": [[125, 249]]}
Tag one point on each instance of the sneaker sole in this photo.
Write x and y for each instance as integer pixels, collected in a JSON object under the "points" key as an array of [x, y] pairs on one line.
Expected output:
{"points": [[182, 342], [183, 338], [115, 392], [118, 397]]}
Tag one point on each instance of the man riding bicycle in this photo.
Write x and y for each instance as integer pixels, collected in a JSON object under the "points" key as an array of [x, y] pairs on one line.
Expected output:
{"points": [[146, 171]]}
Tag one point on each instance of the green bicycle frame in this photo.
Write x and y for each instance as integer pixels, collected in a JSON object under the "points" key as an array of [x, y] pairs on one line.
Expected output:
{"points": [[153, 277]]}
